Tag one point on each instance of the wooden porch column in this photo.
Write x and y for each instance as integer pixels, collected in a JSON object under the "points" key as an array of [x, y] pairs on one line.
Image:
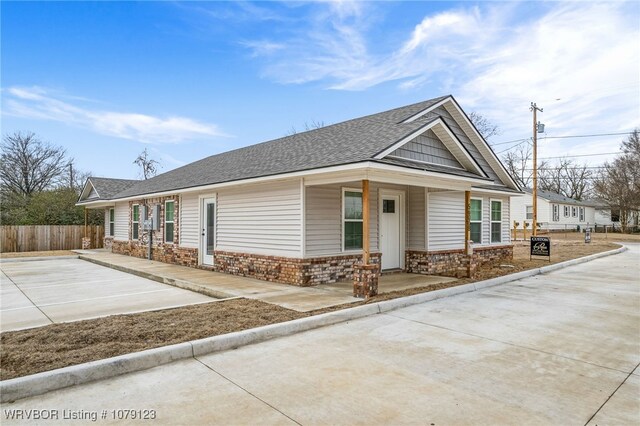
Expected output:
{"points": [[365, 221], [85, 222], [365, 275], [86, 241], [467, 220]]}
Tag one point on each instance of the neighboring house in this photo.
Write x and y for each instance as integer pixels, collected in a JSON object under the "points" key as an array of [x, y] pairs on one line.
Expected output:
{"points": [[606, 215], [291, 210], [555, 211]]}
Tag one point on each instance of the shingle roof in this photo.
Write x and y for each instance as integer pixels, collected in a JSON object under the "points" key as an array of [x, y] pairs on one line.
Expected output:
{"points": [[349, 142], [558, 198], [108, 188]]}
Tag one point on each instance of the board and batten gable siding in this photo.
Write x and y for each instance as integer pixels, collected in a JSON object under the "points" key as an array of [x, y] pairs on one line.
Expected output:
{"points": [[189, 220], [260, 219], [416, 225], [429, 148], [121, 221], [464, 139]]}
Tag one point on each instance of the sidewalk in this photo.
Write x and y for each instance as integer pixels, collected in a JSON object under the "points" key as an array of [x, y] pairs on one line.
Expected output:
{"points": [[219, 285]]}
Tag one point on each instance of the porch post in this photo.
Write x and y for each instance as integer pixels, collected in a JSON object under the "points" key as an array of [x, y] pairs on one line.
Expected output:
{"points": [[468, 249], [365, 221], [365, 275], [86, 241]]}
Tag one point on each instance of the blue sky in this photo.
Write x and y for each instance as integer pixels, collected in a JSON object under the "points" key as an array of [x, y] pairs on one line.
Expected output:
{"points": [[187, 80]]}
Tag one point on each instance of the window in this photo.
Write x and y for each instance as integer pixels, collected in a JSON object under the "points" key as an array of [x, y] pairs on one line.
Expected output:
{"points": [[566, 211], [112, 222], [574, 211], [135, 221], [168, 221], [556, 212], [615, 215], [476, 221], [581, 214], [529, 213], [496, 221], [352, 220], [388, 206]]}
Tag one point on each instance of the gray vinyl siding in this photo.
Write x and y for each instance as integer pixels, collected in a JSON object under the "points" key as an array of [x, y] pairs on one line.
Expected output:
{"points": [[464, 139], [445, 220], [189, 220], [92, 194], [323, 218], [121, 221], [417, 218], [260, 219], [428, 148]]}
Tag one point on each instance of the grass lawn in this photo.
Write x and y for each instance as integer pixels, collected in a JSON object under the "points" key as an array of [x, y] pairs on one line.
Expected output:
{"points": [[30, 351]]}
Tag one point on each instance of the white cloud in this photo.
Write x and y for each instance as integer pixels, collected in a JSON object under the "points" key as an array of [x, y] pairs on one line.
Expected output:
{"points": [[39, 103], [495, 59]]}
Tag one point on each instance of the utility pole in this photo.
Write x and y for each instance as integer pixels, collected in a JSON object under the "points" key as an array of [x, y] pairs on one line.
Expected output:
{"points": [[535, 110]]}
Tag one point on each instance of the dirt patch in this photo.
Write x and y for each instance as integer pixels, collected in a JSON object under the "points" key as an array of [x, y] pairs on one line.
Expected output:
{"points": [[14, 255], [54, 346], [31, 351]]}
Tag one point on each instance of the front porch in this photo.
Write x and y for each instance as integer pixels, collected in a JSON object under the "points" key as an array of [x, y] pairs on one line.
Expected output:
{"points": [[223, 286]]}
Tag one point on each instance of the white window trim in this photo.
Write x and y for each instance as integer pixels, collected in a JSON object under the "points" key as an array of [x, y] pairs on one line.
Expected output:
{"points": [[574, 211], [133, 222], [112, 209], [581, 214], [555, 212], [164, 218], [478, 221], [342, 218], [525, 212], [567, 211], [491, 221]]}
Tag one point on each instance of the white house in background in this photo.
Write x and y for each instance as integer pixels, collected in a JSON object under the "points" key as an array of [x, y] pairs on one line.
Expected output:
{"points": [[555, 211], [292, 210], [606, 215]]}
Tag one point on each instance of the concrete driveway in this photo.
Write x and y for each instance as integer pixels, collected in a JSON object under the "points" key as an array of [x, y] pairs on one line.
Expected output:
{"points": [[36, 293], [561, 349]]}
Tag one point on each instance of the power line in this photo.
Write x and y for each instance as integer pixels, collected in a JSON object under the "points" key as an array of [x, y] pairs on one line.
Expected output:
{"points": [[514, 146], [567, 137], [580, 155]]}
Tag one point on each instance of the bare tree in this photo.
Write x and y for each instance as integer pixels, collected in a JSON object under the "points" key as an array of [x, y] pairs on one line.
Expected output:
{"points": [[518, 164], [307, 126], [566, 177], [484, 126], [618, 184], [29, 165], [148, 166]]}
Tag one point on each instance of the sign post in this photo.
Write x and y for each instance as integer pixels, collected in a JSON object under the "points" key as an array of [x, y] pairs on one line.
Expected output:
{"points": [[587, 235], [540, 246]]}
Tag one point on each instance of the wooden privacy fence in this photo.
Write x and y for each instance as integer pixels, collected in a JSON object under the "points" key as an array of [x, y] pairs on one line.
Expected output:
{"points": [[48, 237]]}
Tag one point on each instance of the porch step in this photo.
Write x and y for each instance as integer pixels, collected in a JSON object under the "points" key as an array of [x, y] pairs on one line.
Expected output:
{"points": [[392, 271]]}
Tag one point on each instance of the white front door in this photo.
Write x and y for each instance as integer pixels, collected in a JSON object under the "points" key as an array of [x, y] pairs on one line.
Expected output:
{"points": [[390, 231], [208, 237]]}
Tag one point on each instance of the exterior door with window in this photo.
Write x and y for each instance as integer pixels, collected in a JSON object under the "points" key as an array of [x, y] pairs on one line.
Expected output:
{"points": [[390, 232], [208, 237]]}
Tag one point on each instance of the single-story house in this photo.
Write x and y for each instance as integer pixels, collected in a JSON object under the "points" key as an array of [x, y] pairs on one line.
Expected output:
{"points": [[389, 189], [605, 215], [555, 211]]}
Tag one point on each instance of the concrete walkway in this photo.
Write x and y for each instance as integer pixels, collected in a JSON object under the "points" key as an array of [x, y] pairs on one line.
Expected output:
{"points": [[561, 348], [36, 293], [301, 299]]}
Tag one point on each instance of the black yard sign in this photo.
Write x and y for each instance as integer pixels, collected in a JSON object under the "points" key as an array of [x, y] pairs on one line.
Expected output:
{"points": [[540, 246]]}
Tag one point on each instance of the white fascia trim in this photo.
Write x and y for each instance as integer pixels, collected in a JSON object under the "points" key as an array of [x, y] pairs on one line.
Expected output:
{"points": [[364, 166], [84, 192], [483, 145], [496, 191], [465, 159], [426, 111]]}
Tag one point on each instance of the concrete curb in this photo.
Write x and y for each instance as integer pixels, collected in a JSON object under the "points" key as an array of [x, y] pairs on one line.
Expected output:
{"points": [[37, 259], [186, 285], [37, 384]]}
